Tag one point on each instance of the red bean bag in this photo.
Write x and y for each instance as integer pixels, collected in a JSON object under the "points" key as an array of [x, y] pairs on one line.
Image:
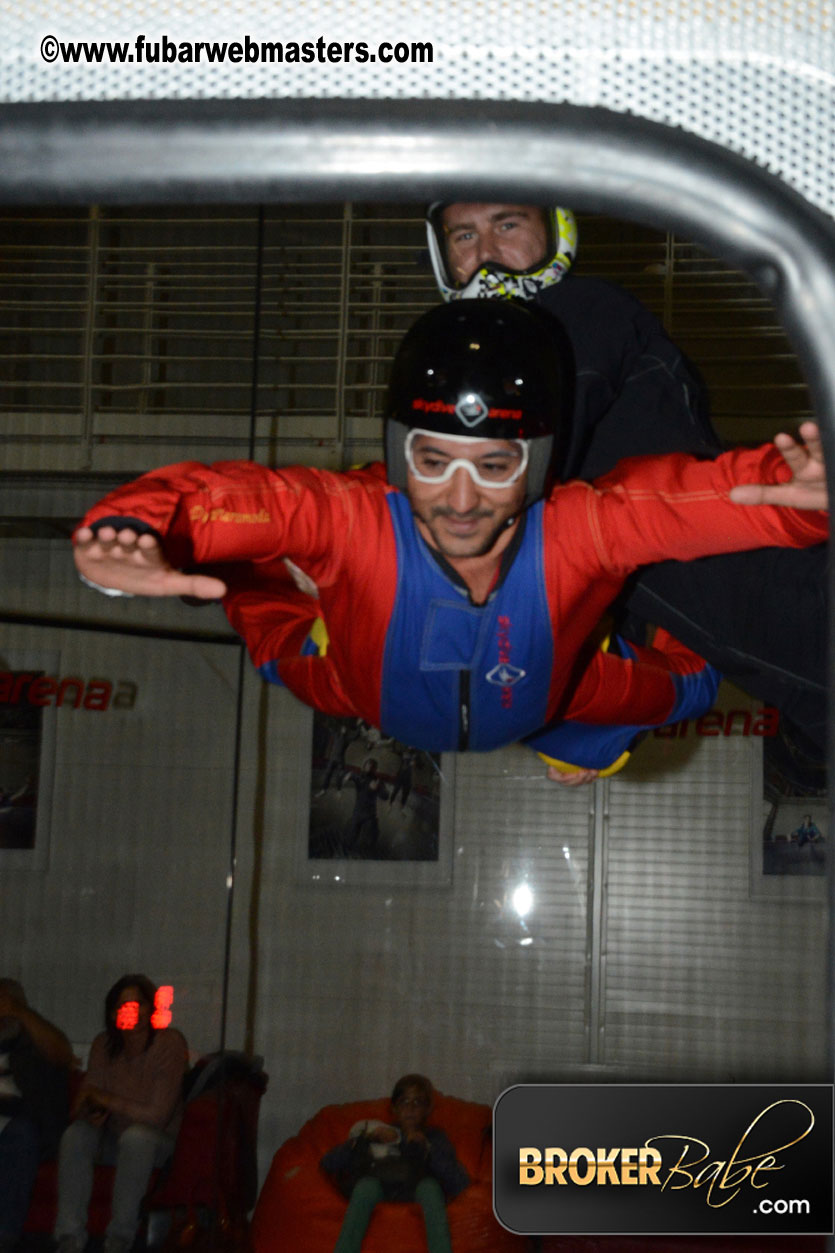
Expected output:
{"points": [[300, 1208]]}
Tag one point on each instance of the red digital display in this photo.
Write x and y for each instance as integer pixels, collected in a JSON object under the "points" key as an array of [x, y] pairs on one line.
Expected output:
{"points": [[127, 1015], [164, 999]]}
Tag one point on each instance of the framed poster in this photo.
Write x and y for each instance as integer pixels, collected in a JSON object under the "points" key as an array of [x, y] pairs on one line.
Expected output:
{"points": [[790, 823], [380, 811], [27, 756]]}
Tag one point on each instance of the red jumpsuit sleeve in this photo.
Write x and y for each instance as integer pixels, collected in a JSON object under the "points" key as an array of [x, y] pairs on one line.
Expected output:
{"points": [[239, 511], [657, 508]]}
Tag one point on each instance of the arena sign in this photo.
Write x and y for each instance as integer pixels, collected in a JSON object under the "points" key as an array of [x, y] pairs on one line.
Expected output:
{"points": [[18, 687]]}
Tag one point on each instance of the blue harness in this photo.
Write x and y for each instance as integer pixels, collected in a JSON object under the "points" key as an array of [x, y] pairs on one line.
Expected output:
{"points": [[461, 676]]}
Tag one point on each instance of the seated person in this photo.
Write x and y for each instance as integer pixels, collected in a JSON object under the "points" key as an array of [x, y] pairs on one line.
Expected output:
{"points": [[807, 833], [127, 1113], [408, 1161], [35, 1060]]}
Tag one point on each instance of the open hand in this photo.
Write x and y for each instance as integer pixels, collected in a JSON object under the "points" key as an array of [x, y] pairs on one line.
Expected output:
{"points": [[128, 562], [807, 487]]}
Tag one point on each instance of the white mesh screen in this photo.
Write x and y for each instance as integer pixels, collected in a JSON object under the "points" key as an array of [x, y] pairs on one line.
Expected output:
{"points": [[757, 78]]}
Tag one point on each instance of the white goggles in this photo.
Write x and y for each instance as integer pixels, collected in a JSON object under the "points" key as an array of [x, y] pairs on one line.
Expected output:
{"points": [[496, 469]]}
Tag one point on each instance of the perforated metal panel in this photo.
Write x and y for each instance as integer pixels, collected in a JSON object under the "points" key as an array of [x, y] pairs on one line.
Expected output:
{"points": [[756, 78]]}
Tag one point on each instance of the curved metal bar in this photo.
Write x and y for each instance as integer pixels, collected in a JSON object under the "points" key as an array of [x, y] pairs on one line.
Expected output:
{"points": [[288, 151]]}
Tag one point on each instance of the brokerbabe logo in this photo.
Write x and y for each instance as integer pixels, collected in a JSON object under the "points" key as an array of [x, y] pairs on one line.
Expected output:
{"points": [[667, 1160]]}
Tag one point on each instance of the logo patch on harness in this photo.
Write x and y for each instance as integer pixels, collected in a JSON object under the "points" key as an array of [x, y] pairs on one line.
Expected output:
{"points": [[504, 675]]}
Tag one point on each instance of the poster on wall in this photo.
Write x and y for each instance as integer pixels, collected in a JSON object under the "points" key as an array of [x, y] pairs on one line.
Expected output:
{"points": [[790, 829], [27, 748], [379, 809]]}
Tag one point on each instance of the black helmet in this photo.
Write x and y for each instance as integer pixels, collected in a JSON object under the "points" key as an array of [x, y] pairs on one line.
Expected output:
{"points": [[487, 370]]}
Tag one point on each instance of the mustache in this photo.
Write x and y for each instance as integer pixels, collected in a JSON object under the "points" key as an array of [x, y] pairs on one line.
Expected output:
{"points": [[444, 511]]}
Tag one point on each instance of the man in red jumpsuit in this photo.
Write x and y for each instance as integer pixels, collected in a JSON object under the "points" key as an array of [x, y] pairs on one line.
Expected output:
{"points": [[461, 593]]}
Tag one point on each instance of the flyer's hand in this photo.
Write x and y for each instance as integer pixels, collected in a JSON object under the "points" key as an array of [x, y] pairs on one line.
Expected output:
{"points": [[807, 487], [134, 564]]}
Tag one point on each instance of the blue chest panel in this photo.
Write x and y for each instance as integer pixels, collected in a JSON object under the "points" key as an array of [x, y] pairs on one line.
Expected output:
{"points": [[457, 674]]}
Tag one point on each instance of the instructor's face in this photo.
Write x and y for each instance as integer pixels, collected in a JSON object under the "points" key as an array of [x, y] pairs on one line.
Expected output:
{"points": [[459, 517], [512, 235]]}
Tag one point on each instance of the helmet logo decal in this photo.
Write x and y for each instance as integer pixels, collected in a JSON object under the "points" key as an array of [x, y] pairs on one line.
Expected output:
{"points": [[441, 406], [431, 406], [471, 409]]}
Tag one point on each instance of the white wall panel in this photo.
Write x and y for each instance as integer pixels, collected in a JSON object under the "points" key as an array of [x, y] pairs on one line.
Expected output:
{"points": [[702, 978], [40, 580], [139, 835], [358, 984]]}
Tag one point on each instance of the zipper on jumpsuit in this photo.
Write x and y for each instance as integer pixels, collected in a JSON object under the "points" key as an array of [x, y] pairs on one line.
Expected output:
{"points": [[464, 711]]}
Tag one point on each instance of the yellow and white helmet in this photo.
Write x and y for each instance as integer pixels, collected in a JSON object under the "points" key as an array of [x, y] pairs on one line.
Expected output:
{"points": [[492, 279]]}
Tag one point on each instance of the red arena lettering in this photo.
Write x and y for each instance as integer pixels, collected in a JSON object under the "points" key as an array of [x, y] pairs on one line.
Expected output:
{"points": [[766, 722], [41, 690], [710, 723], [763, 723], [98, 694], [21, 681], [745, 715], [12, 684], [23, 687], [77, 686]]}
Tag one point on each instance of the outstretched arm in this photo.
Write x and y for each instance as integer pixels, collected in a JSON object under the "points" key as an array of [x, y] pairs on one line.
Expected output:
{"points": [[187, 516], [130, 563], [807, 487]]}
